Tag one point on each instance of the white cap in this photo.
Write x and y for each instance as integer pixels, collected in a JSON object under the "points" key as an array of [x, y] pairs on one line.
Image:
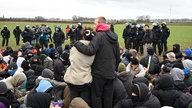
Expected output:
{"points": [[138, 25], [79, 23], [164, 23], [154, 24]]}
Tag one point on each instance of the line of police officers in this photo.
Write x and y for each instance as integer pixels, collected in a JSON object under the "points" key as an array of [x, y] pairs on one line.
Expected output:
{"points": [[135, 37], [42, 35]]}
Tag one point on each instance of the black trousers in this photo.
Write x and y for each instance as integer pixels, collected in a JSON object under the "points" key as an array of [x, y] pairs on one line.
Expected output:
{"points": [[5, 40], [158, 44], [17, 39], [164, 45], [58, 44], [83, 91], [43, 43], [102, 93]]}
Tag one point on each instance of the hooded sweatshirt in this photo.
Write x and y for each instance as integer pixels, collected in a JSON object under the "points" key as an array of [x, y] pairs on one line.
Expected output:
{"points": [[144, 97], [15, 81]]}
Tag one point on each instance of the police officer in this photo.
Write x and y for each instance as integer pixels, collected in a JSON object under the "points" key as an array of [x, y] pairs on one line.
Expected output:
{"points": [[140, 33], [49, 31], [78, 32], [6, 35], [157, 36], [58, 37], [134, 34], [165, 36], [27, 34], [71, 34], [17, 32], [127, 35]]}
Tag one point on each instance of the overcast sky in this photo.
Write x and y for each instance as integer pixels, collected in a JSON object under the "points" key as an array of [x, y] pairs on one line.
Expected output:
{"points": [[111, 9]]}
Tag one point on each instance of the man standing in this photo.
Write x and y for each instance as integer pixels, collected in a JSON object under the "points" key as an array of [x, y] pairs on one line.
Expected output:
{"points": [[147, 39], [127, 36], [165, 36], [17, 32], [43, 36], [157, 36], [27, 34], [58, 37], [6, 35], [106, 47], [78, 32]]}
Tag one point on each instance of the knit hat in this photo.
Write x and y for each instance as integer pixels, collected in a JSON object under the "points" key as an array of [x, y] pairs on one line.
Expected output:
{"points": [[2, 105], [4, 102], [186, 71], [78, 102], [177, 74], [128, 55], [14, 54], [121, 67], [45, 52], [150, 50], [25, 65], [167, 68], [135, 89], [171, 56], [65, 56], [188, 52], [12, 66], [3, 88], [134, 61], [47, 73], [187, 64], [44, 86], [141, 80]]}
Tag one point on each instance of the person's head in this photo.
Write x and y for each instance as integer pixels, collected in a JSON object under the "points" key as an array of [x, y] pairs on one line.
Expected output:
{"points": [[98, 20], [147, 26], [129, 56], [64, 56], [187, 52], [17, 27], [27, 27], [88, 33], [150, 50], [18, 79], [5, 27], [51, 46], [166, 82], [164, 24], [43, 25], [134, 63], [3, 88], [176, 48], [44, 86], [177, 74], [78, 102], [121, 67], [154, 24], [4, 102], [140, 92], [171, 56], [39, 100]]}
